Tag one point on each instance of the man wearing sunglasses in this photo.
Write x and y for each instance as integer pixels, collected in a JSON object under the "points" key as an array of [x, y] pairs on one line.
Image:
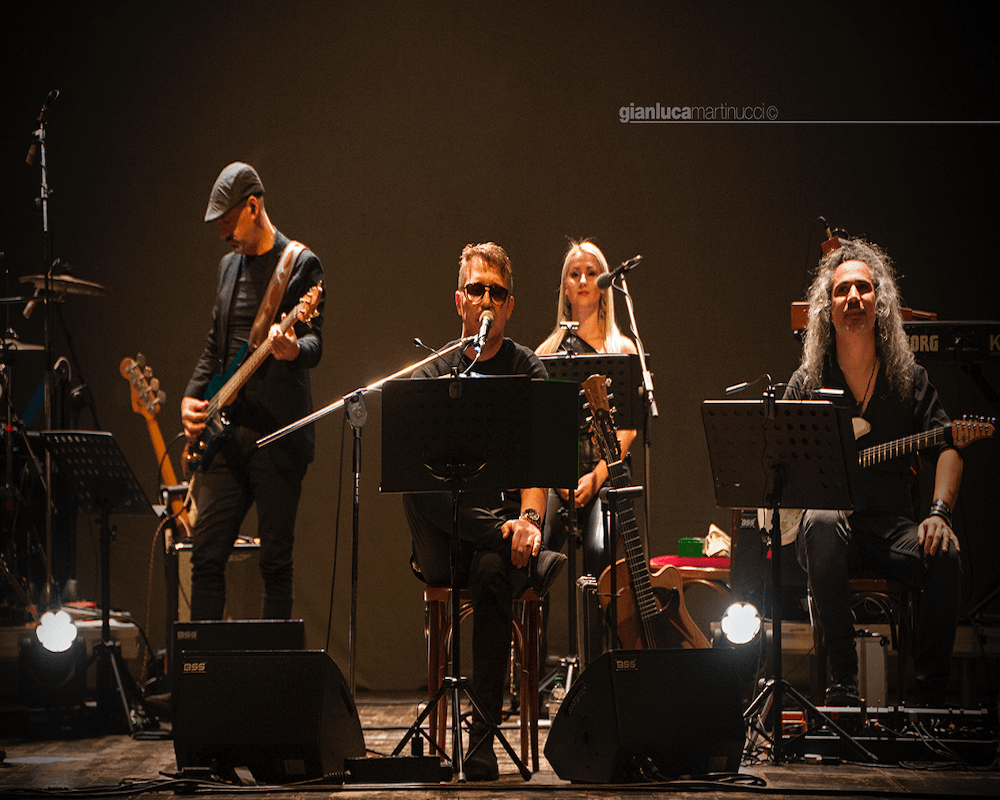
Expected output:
{"points": [[501, 548]]}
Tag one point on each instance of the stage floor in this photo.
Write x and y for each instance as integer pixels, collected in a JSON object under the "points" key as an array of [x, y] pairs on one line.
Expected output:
{"points": [[102, 766]]}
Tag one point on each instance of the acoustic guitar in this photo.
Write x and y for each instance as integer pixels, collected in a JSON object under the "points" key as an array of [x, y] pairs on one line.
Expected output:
{"points": [[650, 608], [223, 388], [147, 399], [958, 434]]}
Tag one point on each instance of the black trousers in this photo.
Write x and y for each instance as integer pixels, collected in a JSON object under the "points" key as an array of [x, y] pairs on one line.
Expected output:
{"points": [[833, 546], [240, 476], [485, 569]]}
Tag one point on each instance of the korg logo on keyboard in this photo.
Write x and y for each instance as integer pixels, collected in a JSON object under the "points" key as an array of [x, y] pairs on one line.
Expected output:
{"points": [[924, 343]]}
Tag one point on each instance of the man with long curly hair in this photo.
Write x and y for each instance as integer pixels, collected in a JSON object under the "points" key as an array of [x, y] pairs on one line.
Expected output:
{"points": [[855, 342]]}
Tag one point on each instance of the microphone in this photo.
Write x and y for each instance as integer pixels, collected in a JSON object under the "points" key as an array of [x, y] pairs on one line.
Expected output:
{"points": [[33, 150], [607, 278], [485, 323]]}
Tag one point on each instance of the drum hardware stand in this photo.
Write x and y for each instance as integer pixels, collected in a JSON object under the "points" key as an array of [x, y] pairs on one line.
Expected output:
{"points": [[755, 464], [433, 433]]}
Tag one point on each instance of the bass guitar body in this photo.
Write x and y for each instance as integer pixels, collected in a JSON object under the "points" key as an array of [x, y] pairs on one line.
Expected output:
{"points": [[669, 626], [218, 427]]}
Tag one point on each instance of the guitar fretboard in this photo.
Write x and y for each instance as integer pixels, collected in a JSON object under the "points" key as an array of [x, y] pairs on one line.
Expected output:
{"points": [[635, 557], [901, 447], [227, 393]]}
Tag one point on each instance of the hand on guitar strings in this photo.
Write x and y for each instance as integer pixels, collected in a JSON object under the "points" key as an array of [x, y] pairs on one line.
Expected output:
{"points": [[193, 416], [284, 347]]}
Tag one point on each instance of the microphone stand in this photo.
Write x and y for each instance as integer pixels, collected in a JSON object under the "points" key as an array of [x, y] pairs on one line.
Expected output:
{"points": [[358, 415], [38, 145], [651, 411]]}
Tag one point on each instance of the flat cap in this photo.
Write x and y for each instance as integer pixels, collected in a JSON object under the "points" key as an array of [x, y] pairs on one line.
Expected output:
{"points": [[234, 185]]}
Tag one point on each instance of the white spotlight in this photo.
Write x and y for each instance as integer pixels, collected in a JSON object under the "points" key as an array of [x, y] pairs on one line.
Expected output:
{"points": [[56, 631], [741, 623]]}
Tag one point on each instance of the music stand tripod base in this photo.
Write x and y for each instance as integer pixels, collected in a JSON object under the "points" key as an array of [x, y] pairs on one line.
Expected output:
{"points": [[781, 454], [104, 484], [455, 434]]}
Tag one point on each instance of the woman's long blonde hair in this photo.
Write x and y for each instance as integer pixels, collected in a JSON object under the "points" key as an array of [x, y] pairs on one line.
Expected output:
{"points": [[614, 340]]}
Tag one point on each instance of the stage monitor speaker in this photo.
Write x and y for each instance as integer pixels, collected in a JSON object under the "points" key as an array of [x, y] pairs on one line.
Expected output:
{"points": [[633, 715], [242, 634], [284, 715]]}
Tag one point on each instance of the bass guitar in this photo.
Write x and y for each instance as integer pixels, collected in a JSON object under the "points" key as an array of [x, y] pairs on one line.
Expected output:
{"points": [[650, 609], [147, 399], [223, 388], [957, 434]]}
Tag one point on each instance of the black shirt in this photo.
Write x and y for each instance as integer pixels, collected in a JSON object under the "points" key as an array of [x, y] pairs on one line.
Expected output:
{"points": [[885, 487]]}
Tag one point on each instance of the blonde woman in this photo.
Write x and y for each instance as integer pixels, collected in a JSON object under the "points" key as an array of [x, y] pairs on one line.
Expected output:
{"points": [[582, 302]]}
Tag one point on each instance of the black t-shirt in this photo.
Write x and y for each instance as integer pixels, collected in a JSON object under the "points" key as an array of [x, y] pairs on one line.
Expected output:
{"points": [[885, 487], [511, 359]]}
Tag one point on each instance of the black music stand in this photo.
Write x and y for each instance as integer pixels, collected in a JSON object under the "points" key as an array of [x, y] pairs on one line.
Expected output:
{"points": [[624, 372], [474, 434], [104, 484], [781, 454]]}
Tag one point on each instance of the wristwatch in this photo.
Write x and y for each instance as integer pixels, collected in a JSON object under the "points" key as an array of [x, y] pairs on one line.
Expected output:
{"points": [[533, 517]]}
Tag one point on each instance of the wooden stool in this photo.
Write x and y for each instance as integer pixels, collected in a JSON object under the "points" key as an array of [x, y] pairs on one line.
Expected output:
{"points": [[526, 634], [887, 594]]}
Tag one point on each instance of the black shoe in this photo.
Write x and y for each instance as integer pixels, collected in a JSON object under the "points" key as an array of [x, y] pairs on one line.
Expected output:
{"points": [[543, 570], [481, 761], [844, 695]]}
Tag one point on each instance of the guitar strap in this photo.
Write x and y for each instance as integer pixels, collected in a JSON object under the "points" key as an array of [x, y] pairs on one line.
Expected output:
{"points": [[275, 291]]}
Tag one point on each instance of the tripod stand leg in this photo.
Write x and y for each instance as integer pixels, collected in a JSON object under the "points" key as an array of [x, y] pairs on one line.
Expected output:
{"points": [[417, 727], [868, 756], [117, 687]]}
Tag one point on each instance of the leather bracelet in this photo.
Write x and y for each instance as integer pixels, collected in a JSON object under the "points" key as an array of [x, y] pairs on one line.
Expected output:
{"points": [[939, 508]]}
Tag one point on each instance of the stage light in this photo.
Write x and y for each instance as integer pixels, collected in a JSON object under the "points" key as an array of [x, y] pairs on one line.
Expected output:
{"points": [[56, 631], [741, 623]]}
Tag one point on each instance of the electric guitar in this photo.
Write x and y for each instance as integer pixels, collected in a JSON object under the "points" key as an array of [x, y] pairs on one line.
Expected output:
{"points": [[651, 611], [223, 388], [147, 399], [958, 434]]}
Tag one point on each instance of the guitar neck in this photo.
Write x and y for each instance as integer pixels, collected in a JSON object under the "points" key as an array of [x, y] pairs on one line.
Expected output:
{"points": [[901, 447], [232, 387], [635, 556], [167, 473]]}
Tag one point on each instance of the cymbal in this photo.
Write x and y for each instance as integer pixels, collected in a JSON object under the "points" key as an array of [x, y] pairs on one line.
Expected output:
{"points": [[16, 345], [66, 284]]}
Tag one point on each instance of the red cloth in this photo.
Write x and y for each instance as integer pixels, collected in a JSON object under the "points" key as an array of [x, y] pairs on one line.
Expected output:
{"points": [[705, 562]]}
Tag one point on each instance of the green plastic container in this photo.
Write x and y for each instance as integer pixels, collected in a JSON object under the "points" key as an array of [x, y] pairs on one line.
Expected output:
{"points": [[689, 548]]}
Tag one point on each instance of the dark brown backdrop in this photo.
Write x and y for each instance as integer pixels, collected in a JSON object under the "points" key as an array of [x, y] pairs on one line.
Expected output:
{"points": [[388, 136]]}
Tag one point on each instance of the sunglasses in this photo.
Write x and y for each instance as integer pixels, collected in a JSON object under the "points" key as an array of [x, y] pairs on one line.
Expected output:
{"points": [[475, 292]]}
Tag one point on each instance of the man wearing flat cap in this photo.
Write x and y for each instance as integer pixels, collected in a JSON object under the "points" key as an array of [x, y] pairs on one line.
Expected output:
{"points": [[260, 281]]}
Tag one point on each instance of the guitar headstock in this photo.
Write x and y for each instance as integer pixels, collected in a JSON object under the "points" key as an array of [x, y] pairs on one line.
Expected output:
{"points": [[306, 311], [147, 397], [971, 429], [595, 390]]}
